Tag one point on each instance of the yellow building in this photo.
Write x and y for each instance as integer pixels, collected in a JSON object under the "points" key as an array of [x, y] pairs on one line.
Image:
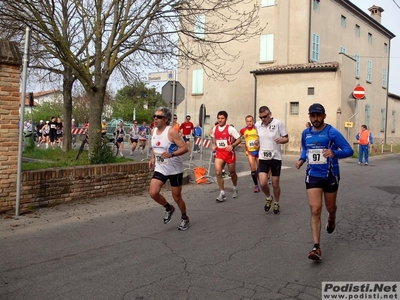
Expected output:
{"points": [[309, 51]]}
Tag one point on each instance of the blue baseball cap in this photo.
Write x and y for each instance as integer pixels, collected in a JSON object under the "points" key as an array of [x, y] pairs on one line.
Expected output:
{"points": [[316, 108]]}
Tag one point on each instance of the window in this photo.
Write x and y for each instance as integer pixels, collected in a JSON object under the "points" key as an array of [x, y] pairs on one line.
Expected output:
{"points": [[357, 58], [343, 22], [342, 50], [200, 26], [393, 121], [385, 48], [310, 91], [315, 47], [384, 78], [357, 28], [266, 47], [316, 5], [383, 119], [197, 85], [367, 115], [267, 3], [294, 108], [369, 38], [369, 70]]}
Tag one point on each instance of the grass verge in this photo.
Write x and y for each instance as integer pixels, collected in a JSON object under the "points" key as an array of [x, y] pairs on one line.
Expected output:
{"points": [[37, 159]]}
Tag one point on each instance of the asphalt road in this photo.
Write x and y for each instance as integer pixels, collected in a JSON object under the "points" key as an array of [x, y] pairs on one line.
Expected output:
{"points": [[119, 248]]}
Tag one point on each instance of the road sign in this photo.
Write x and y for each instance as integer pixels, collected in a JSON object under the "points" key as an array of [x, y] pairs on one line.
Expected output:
{"points": [[166, 93], [161, 76], [348, 124], [359, 92]]}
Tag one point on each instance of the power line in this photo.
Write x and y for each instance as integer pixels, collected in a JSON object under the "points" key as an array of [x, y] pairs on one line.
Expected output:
{"points": [[396, 4]]}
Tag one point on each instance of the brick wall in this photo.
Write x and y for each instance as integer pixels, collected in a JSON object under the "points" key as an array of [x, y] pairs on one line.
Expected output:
{"points": [[10, 62], [55, 186]]}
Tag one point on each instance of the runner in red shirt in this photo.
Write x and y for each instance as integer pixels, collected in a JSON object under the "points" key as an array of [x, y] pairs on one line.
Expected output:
{"points": [[222, 136], [186, 129]]}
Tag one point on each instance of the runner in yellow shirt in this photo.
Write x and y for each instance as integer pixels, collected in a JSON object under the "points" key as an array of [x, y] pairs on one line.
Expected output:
{"points": [[252, 145]]}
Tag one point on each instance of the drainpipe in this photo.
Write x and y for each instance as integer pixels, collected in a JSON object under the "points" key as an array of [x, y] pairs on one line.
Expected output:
{"points": [[309, 32], [387, 96], [255, 95]]}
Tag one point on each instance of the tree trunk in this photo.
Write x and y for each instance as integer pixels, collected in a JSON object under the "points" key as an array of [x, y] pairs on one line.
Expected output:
{"points": [[68, 82], [96, 100]]}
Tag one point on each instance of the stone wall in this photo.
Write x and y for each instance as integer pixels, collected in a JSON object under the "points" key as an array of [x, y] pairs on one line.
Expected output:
{"points": [[49, 187], [10, 63]]}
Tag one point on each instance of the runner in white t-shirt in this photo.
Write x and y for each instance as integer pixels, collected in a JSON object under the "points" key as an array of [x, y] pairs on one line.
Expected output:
{"points": [[272, 134]]}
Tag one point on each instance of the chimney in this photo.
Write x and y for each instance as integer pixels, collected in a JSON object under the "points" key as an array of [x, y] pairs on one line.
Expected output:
{"points": [[376, 12]]}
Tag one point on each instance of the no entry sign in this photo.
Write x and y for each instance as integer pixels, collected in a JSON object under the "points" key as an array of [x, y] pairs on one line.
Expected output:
{"points": [[359, 92]]}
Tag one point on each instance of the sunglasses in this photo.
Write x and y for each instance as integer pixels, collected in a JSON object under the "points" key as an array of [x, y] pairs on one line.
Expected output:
{"points": [[158, 117], [175, 118], [264, 117]]}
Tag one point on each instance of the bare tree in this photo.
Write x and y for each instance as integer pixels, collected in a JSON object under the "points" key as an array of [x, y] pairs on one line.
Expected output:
{"points": [[91, 39]]}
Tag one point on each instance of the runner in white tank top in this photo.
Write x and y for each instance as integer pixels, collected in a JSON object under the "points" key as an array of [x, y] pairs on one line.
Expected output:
{"points": [[167, 147], [161, 144]]}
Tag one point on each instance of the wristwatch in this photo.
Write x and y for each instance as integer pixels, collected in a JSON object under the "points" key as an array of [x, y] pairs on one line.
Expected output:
{"points": [[172, 154]]}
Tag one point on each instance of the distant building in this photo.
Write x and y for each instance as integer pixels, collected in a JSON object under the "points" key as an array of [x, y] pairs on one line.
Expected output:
{"points": [[53, 96], [310, 51]]}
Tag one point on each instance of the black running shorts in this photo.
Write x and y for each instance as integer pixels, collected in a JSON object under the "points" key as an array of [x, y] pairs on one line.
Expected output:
{"points": [[175, 180], [328, 185], [274, 165]]}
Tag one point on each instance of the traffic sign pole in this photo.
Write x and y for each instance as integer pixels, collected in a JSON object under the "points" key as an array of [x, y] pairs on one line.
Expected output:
{"points": [[173, 93]]}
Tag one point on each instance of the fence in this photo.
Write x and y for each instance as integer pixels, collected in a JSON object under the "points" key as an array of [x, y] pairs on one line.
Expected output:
{"points": [[201, 165]]}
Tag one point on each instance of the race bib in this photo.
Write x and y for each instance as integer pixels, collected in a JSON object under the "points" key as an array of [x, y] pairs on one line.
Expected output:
{"points": [[160, 160], [267, 154], [222, 143], [121, 136], [251, 143], [315, 156]]}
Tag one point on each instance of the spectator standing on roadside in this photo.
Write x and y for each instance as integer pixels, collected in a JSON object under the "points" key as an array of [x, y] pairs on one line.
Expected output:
{"points": [[176, 124], [364, 138], [197, 133], [104, 128]]}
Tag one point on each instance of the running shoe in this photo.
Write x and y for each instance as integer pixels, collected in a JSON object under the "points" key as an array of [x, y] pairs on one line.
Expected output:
{"points": [[276, 208], [366, 164], [256, 189], [221, 197], [184, 224], [235, 193], [359, 163], [330, 226], [223, 174], [315, 254], [168, 214], [268, 201]]}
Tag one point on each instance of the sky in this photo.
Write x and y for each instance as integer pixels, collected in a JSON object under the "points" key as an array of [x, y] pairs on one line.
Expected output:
{"points": [[391, 20]]}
